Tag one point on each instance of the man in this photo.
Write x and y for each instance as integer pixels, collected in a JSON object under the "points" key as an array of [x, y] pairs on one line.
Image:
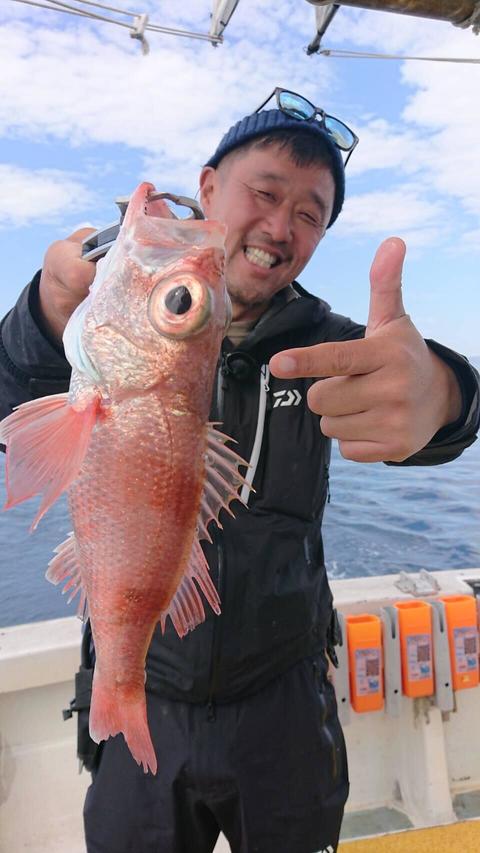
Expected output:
{"points": [[242, 714]]}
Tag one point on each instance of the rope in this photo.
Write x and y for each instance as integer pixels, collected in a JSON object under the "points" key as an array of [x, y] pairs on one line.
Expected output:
{"points": [[99, 6], [72, 10], [353, 54], [136, 27]]}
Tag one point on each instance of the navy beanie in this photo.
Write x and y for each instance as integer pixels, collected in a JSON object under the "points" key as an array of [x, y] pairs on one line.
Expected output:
{"points": [[266, 123]]}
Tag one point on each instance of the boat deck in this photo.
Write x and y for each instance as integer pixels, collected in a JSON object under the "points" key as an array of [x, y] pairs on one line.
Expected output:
{"points": [[458, 836]]}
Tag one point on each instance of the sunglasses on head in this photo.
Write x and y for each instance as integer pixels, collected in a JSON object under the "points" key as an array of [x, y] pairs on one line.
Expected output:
{"points": [[298, 107]]}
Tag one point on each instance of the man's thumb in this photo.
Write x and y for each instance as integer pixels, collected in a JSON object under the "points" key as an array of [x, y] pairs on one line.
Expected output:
{"points": [[386, 284]]}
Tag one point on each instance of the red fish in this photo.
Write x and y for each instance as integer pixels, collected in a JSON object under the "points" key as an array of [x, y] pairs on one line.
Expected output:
{"points": [[131, 442]]}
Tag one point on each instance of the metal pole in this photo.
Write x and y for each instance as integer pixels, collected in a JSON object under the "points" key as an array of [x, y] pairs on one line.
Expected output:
{"points": [[456, 11]]}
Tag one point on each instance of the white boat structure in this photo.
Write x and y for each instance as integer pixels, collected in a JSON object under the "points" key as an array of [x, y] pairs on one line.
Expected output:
{"points": [[412, 764]]}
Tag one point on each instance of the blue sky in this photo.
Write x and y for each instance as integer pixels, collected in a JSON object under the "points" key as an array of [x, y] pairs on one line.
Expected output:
{"points": [[84, 116]]}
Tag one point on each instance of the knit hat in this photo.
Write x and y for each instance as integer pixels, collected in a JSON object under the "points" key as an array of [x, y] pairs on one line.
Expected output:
{"points": [[268, 122]]}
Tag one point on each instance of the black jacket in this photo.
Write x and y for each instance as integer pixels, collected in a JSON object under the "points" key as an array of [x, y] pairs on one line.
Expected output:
{"points": [[267, 563]]}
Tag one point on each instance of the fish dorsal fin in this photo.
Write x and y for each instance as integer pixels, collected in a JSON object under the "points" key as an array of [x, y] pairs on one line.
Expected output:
{"points": [[222, 480], [46, 441], [65, 567], [186, 608]]}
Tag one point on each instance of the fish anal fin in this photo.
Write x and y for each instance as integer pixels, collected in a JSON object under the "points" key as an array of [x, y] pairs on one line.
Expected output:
{"points": [[64, 567], [186, 608], [46, 441]]}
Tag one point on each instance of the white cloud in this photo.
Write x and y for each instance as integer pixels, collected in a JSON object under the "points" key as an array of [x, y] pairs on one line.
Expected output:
{"points": [[387, 32], [470, 241], [82, 84], [43, 195], [79, 83], [401, 211], [437, 135], [111, 94], [384, 146]]}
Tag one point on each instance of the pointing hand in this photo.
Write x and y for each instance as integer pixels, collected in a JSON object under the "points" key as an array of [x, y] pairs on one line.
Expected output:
{"points": [[385, 396]]}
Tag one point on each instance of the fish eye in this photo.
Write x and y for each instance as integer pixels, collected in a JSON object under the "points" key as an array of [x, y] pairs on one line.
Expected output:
{"points": [[180, 305], [178, 300]]}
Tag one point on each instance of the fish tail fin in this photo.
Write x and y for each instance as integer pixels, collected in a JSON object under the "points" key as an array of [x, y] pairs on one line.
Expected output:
{"points": [[46, 443], [110, 715]]}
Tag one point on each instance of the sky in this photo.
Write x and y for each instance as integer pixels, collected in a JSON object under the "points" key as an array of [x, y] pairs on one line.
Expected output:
{"points": [[85, 116]]}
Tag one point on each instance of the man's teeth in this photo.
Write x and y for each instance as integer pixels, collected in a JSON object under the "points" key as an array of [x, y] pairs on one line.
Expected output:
{"points": [[259, 257]]}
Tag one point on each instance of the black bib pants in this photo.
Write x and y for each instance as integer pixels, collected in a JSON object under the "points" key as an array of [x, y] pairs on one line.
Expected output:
{"points": [[268, 770]]}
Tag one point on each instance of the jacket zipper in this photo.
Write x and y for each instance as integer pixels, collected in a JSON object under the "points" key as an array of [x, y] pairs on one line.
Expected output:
{"points": [[222, 384], [258, 441], [214, 654]]}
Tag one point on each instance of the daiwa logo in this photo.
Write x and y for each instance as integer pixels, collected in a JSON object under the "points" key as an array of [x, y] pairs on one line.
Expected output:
{"points": [[328, 849], [292, 398]]}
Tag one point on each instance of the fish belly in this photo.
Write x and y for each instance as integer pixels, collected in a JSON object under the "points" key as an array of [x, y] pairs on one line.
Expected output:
{"points": [[134, 506]]}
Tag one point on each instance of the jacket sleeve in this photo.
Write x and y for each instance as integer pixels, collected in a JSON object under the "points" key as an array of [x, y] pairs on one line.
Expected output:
{"points": [[31, 365], [450, 441]]}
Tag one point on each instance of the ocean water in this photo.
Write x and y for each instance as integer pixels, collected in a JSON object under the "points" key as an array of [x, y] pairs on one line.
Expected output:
{"points": [[380, 520]]}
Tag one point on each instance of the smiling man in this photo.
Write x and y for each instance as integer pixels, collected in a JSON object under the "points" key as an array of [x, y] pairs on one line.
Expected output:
{"points": [[242, 714], [296, 200]]}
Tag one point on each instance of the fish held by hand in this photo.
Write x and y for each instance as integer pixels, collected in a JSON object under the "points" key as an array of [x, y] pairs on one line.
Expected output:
{"points": [[144, 470]]}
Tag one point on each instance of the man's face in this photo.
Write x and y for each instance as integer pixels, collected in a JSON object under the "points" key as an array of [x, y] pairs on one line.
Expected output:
{"points": [[276, 213]]}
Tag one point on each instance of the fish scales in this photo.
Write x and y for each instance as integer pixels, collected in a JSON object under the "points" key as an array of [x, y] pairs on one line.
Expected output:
{"points": [[144, 471]]}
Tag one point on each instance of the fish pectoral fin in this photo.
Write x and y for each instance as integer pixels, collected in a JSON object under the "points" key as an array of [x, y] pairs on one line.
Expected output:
{"points": [[65, 567], [186, 608], [222, 480], [46, 442]]}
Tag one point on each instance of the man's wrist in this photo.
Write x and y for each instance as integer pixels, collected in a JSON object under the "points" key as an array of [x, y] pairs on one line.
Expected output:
{"points": [[49, 332], [449, 392]]}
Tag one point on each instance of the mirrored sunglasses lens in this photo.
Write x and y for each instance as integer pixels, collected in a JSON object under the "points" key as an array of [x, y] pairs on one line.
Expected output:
{"points": [[296, 106], [342, 136]]}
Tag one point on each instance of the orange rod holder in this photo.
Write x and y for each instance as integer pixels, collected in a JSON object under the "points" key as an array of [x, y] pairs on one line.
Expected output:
{"points": [[364, 634], [415, 625], [461, 620], [455, 11]]}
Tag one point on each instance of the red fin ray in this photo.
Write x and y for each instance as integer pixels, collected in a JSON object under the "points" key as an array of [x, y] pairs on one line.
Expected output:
{"points": [[65, 567], [186, 608], [222, 480], [111, 714], [46, 440]]}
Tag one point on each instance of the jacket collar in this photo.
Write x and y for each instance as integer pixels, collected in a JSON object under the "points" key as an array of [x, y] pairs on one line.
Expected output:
{"points": [[285, 314]]}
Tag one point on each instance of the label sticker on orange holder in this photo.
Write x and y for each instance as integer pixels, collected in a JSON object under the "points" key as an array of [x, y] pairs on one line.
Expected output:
{"points": [[367, 671], [419, 656], [466, 653]]}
